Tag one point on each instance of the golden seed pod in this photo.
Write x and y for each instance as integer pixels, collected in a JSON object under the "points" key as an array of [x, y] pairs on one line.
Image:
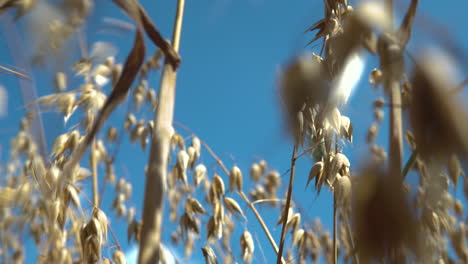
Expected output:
{"points": [[137, 131], [110, 174], [112, 134], [263, 166], [60, 82], [247, 246], [72, 193], [66, 104], [193, 206], [273, 178], [121, 210], [298, 237], [119, 257], [458, 208], [293, 222], [101, 74], [454, 169], [378, 115], [200, 174], [343, 192], [255, 172], [372, 133], [138, 99], [379, 153], [60, 145], [218, 186], [375, 78], [316, 173], [127, 191], [101, 218], [235, 179], [346, 130], [209, 255], [130, 121], [233, 207], [196, 144], [182, 164], [283, 215], [192, 157], [379, 102], [131, 214]]}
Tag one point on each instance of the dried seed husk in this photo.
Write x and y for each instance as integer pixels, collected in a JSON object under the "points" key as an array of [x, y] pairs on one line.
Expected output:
{"points": [[233, 207], [60, 82], [255, 172], [200, 174], [315, 172], [247, 246], [298, 237], [293, 222], [346, 130], [218, 186], [372, 133], [119, 257], [454, 168], [193, 206], [343, 192], [235, 179], [209, 255]]}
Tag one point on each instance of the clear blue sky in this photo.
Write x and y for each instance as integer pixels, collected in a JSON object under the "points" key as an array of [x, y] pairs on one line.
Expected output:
{"points": [[227, 91]]}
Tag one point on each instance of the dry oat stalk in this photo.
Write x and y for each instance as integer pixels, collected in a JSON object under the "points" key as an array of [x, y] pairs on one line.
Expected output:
{"points": [[159, 152]]}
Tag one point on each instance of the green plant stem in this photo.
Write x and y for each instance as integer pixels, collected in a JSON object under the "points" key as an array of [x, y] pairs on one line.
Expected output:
{"points": [[409, 163], [288, 204]]}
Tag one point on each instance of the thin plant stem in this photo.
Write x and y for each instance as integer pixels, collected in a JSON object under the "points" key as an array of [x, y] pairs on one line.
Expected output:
{"points": [[389, 8], [409, 163], [335, 216], [159, 154], [288, 204], [13, 72], [396, 137], [268, 200], [94, 175]]}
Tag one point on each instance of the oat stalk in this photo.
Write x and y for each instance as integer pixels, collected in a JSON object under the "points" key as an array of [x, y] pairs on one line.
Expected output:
{"points": [[288, 203], [94, 175], [18, 74], [159, 154], [335, 220]]}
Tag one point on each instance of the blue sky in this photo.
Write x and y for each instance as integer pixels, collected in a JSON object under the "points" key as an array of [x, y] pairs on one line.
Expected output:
{"points": [[227, 91]]}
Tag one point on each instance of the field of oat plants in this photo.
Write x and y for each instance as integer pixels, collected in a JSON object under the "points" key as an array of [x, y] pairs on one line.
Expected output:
{"points": [[300, 132]]}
